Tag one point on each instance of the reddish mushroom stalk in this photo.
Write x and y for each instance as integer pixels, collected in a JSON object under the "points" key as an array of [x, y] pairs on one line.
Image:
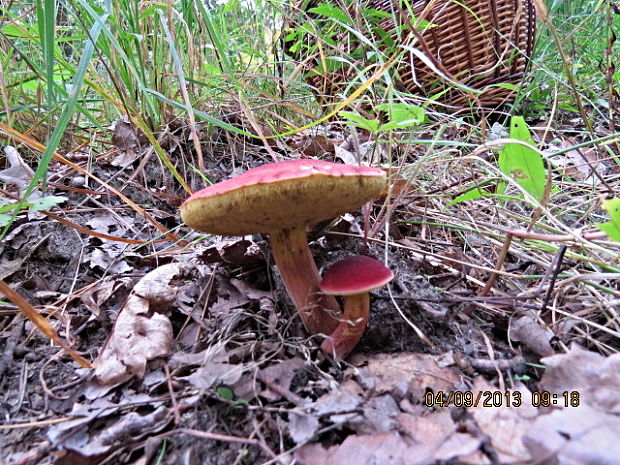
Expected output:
{"points": [[353, 278], [319, 312], [343, 340]]}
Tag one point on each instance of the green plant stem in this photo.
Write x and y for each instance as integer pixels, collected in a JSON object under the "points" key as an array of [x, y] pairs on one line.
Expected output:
{"points": [[566, 63]]}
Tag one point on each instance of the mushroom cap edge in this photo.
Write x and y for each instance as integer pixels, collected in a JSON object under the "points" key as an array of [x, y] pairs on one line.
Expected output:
{"points": [[282, 195], [354, 275]]}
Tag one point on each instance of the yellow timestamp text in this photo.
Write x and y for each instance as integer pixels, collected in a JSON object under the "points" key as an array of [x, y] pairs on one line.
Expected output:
{"points": [[501, 399]]}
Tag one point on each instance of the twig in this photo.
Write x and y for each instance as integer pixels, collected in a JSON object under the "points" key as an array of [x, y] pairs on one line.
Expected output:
{"points": [[613, 96], [48, 392], [70, 384], [557, 237], [555, 269], [11, 343], [515, 364], [498, 266], [36, 424], [42, 324], [173, 399], [212, 436], [261, 439], [288, 395], [417, 330]]}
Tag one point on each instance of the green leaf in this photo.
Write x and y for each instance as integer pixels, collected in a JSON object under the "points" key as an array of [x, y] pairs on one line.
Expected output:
{"points": [[47, 202], [402, 115], [373, 13], [150, 11], [230, 6], [568, 107], [469, 195], [12, 30], [225, 393], [523, 164], [371, 125], [611, 227], [506, 85], [330, 11]]}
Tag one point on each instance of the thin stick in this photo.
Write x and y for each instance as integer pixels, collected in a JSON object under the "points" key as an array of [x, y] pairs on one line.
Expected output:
{"points": [[173, 398], [212, 436], [498, 266], [555, 269]]}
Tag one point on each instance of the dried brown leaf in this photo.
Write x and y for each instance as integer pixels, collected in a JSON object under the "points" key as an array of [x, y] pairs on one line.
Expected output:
{"points": [[577, 436], [595, 378], [233, 252], [384, 448], [340, 406], [214, 368], [379, 415], [389, 449], [137, 337], [280, 375], [314, 145], [497, 408], [110, 289], [140, 334], [128, 139], [346, 398], [418, 371], [129, 429], [578, 163], [19, 174], [528, 330], [302, 426]]}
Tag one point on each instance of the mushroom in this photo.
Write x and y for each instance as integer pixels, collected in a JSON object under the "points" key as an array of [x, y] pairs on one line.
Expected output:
{"points": [[281, 199], [352, 278]]}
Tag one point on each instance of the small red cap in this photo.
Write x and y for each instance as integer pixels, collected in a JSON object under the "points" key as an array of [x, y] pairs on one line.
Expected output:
{"points": [[355, 275]]}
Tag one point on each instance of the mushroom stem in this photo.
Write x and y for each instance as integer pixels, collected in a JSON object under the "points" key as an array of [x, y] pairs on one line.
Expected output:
{"points": [[319, 312], [343, 340]]}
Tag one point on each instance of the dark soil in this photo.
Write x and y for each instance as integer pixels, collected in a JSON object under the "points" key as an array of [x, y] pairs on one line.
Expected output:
{"points": [[54, 412]]}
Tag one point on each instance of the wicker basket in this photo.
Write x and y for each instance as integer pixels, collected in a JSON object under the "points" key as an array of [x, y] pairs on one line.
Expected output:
{"points": [[478, 44]]}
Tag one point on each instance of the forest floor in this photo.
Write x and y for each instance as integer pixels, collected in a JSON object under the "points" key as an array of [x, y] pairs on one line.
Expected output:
{"points": [[483, 350]]}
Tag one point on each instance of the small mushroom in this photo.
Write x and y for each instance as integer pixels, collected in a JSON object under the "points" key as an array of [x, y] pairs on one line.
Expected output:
{"points": [[353, 278], [281, 199]]}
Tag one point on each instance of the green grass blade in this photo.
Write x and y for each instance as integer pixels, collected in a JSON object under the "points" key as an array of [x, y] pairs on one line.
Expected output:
{"points": [[221, 49], [201, 114], [61, 125], [47, 30]]}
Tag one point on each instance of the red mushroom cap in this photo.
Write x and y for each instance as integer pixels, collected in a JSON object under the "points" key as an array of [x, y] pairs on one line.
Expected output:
{"points": [[355, 275], [281, 195]]}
